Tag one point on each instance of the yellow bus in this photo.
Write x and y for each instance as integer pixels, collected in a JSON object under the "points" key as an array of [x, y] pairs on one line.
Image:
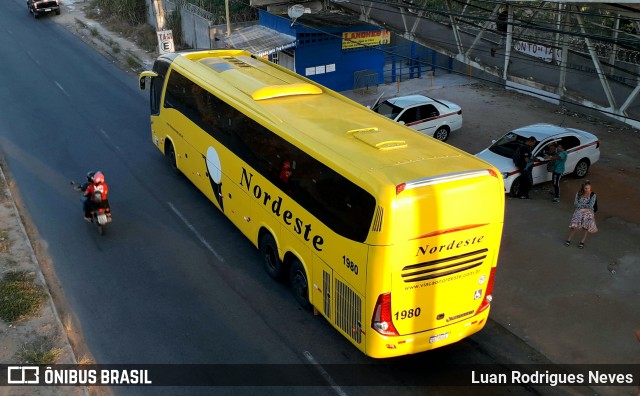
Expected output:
{"points": [[389, 234]]}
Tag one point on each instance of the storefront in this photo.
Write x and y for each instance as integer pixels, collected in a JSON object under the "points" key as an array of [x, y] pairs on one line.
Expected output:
{"points": [[330, 48]]}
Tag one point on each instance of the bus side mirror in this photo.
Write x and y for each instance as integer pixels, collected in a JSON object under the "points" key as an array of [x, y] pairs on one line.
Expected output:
{"points": [[143, 76]]}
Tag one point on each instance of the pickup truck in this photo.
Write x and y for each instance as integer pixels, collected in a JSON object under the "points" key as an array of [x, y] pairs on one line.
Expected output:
{"points": [[38, 7]]}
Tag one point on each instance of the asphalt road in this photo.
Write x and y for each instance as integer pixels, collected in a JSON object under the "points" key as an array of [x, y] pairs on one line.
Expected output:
{"points": [[172, 281]]}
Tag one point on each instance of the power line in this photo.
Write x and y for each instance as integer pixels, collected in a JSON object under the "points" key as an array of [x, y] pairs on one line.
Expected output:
{"points": [[527, 25], [550, 43], [523, 90]]}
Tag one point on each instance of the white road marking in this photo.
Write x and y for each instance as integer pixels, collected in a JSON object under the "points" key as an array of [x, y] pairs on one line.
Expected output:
{"points": [[106, 135], [37, 62], [62, 89], [324, 374], [202, 240]]}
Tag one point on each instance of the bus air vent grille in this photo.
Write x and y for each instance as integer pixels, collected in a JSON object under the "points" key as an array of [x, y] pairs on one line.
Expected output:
{"points": [[237, 62], [326, 287], [443, 267], [348, 311], [376, 226]]}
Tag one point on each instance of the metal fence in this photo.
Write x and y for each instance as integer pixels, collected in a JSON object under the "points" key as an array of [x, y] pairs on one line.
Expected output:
{"points": [[407, 61], [365, 82]]}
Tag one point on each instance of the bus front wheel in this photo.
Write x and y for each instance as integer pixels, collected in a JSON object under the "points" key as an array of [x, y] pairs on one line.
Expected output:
{"points": [[300, 284], [269, 253], [170, 153]]}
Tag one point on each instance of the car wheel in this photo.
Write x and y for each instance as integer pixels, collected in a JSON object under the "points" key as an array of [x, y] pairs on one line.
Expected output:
{"points": [[515, 188], [57, 12], [300, 284], [442, 133], [36, 15], [581, 168], [269, 254]]}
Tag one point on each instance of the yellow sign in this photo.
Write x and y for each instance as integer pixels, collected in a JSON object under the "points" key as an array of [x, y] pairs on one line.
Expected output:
{"points": [[365, 39]]}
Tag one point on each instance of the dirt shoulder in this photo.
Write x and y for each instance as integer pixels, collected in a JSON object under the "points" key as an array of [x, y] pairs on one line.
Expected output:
{"points": [[24, 341], [53, 329]]}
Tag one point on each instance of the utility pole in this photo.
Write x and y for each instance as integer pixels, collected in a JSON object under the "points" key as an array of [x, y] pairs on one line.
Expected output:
{"points": [[226, 9], [160, 15], [165, 37]]}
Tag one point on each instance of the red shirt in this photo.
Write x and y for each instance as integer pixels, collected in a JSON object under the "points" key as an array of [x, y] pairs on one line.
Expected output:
{"points": [[102, 187]]}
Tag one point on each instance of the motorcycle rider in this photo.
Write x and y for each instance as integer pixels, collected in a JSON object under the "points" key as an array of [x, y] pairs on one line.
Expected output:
{"points": [[96, 194], [83, 187]]}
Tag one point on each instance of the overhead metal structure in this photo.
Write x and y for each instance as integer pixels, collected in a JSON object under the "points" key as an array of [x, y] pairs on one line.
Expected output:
{"points": [[578, 51]]}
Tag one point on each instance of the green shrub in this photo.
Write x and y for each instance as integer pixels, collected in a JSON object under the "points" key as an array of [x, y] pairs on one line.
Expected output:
{"points": [[131, 11]]}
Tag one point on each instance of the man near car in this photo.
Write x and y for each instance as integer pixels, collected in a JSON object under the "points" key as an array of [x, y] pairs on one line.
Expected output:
{"points": [[559, 158], [524, 163]]}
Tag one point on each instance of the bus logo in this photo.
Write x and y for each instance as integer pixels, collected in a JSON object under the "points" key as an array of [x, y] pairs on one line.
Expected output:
{"points": [[23, 375]]}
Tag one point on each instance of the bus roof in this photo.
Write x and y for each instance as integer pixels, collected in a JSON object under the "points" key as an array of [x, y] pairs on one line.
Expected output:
{"points": [[342, 131]]}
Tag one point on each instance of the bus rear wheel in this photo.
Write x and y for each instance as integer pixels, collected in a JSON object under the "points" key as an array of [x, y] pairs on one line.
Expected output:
{"points": [[269, 253], [300, 284]]}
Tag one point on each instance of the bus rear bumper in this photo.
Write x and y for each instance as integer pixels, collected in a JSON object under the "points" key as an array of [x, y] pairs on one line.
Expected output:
{"points": [[379, 346]]}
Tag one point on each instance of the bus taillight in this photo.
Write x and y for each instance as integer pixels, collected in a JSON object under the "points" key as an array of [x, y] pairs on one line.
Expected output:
{"points": [[486, 301], [382, 320]]}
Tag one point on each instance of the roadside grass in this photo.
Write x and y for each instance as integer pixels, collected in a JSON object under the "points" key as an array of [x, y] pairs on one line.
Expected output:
{"points": [[132, 62], [20, 296], [3, 189], [43, 350], [9, 262], [4, 241], [144, 35]]}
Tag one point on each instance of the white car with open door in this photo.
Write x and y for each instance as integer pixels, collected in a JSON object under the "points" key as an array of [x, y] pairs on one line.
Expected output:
{"points": [[583, 150]]}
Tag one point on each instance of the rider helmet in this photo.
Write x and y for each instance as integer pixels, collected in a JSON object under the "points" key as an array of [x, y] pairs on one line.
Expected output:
{"points": [[90, 176], [98, 178]]}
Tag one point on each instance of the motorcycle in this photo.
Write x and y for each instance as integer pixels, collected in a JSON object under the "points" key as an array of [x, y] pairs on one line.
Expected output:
{"points": [[101, 212]]}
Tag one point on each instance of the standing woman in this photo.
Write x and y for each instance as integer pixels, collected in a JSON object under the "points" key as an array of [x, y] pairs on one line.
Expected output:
{"points": [[583, 217]]}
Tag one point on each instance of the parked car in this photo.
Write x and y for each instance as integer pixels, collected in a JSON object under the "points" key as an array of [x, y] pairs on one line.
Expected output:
{"points": [[38, 7], [583, 150], [434, 117]]}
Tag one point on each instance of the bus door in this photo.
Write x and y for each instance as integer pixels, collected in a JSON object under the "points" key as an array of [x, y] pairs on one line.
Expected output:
{"points": [[236, 204]]}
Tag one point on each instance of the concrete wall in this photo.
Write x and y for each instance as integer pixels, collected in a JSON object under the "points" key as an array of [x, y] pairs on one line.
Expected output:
{"points": [[196, 30]]}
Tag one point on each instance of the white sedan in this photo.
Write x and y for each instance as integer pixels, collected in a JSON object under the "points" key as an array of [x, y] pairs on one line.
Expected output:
{"points": [[434, 117], [583, 150]]}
